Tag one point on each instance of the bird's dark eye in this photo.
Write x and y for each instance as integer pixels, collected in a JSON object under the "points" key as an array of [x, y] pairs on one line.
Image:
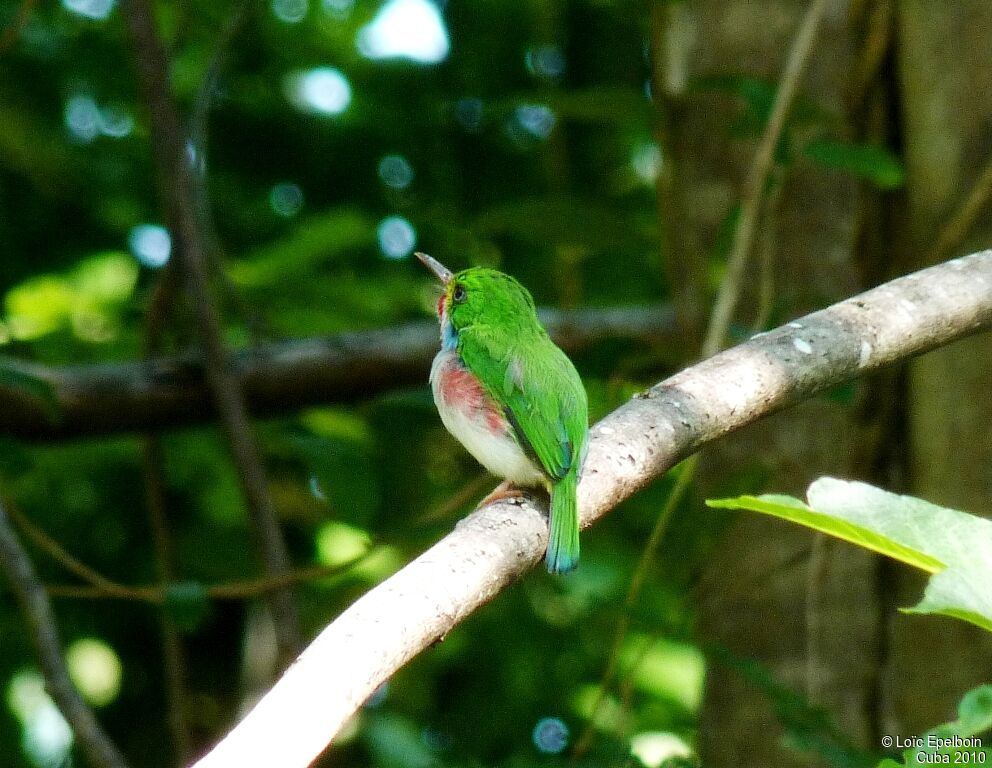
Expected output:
{"points": [[458, 295]]}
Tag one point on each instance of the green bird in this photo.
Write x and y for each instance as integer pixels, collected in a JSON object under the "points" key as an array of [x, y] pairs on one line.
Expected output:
{"points": [[510, 396]]}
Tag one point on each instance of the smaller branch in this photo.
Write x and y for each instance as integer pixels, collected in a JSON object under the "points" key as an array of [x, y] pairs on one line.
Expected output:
{"points": [[16, 565], [768, 246], [172, 392], [761, 166], [173, 652], [249, 589], [99, 586], [59, 554]]}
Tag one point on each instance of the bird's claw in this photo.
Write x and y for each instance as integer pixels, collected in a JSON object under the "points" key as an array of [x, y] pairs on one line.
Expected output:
{"points": [[505, 491]]}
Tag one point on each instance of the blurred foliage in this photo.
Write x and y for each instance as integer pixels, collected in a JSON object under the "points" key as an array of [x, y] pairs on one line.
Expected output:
{"points": [[952, 743], [529, 147], [805, 727]]}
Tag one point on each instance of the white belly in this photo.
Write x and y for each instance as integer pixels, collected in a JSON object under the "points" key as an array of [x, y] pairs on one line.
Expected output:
{"points": [[468, 414]]}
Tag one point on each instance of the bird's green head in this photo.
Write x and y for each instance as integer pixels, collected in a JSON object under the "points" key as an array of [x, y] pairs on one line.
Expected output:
{"points": [[478, 295]]}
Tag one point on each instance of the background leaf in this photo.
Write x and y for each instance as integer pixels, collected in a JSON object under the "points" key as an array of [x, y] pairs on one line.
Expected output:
{"points": [[866, 161], [954, 546]]}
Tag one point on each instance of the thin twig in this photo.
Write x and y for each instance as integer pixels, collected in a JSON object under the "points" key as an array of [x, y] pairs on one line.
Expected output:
{"points": [[757, 178], [469, 490], [99, 586], [176, 183], [17, 567], [249, 589], [960, 223], [59, 554], [173, 652], [766, 279], [174, 660]]}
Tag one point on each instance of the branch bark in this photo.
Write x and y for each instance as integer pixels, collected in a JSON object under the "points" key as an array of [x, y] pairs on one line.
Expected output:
{"points": [[173, 392], [635, 444], [30, 594]]}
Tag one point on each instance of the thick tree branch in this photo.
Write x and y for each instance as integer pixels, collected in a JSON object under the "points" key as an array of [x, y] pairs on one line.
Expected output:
{"points": [[173, 392], [632, 446], [16, 566]]}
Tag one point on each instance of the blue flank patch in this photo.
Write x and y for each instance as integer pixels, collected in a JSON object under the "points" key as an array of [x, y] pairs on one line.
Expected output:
{"points": [[449, 337]]}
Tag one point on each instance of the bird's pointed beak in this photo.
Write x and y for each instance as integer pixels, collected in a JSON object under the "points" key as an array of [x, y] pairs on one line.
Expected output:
{"points": [[440, 271]]}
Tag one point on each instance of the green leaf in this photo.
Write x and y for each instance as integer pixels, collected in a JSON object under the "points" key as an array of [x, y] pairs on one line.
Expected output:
{"points": [[871, 163], [954, 546]]}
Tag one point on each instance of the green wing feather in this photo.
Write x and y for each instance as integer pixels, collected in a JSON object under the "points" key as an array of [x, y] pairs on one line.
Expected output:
{"points": [[540, 391], [543, 398]]}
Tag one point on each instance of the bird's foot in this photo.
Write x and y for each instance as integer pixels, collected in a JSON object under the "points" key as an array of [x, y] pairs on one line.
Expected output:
{"points": [[504, 491]]}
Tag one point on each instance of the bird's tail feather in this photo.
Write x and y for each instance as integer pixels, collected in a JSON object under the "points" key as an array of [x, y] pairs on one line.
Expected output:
{"points": [[563, 545]]}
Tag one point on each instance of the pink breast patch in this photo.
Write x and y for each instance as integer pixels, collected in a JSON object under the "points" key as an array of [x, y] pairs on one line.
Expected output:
{"points": [[462, 391]]}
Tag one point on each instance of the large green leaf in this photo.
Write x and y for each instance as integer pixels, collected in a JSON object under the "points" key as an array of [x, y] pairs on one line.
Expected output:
{"points": [[954, 546]]}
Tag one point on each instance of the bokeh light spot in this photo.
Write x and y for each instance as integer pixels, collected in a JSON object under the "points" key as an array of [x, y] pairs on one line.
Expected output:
{"points": [[82, 118], [340, 543], [86, 120], [91, 9], [290, 11], [95, 669], [47, 738], [115, 122], [339, 9], [410, 29], [286, 199], [395, 171], [321, 91], [550, 735], [653, 748], [537, 119], [150, 244], [647, 162], [545, 61], [397, 237]]}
